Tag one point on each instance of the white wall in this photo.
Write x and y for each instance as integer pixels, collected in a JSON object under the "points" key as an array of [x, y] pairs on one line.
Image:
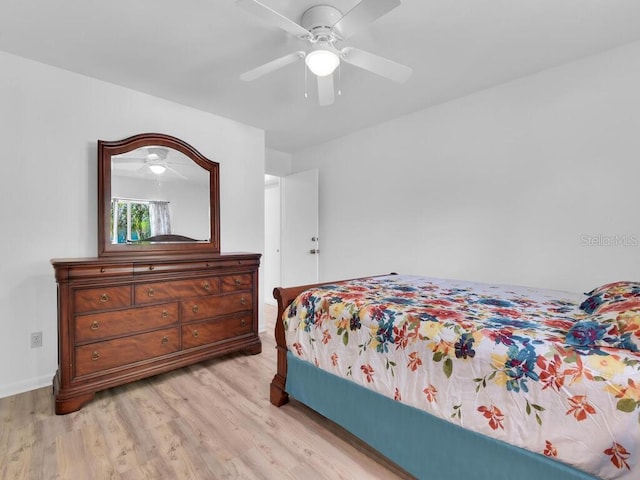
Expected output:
{"points": [[50, 121], [500, 186], [277, 163]]}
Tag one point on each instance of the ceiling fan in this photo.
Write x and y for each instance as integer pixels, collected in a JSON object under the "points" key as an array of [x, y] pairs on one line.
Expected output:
{"points": [[323, 27]]}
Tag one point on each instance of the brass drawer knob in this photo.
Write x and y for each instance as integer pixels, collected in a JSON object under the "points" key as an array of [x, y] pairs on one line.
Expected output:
{"points": [[243, 301], [165, 314], [95, 355], [243, 322], [102, 270], [95, 325], [238, 281], [151, 267], [164, 340], [151, 292], [104, 298], [206, 286], [195, 309], [195, 333]]}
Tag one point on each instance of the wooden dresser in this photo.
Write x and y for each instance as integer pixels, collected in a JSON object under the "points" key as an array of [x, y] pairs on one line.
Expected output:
{"points": [[121, 319]]}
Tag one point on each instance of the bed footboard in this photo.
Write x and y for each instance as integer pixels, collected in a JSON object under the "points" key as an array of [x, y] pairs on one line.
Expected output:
{"points": [[284, 296]]}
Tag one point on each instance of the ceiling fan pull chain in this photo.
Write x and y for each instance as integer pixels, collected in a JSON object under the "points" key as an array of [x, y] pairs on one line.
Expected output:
{"points": [[306, 94], [340, 79]]}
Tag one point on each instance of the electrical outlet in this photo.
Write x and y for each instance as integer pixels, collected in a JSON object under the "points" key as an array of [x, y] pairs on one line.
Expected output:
{"points": [[36, 339]]}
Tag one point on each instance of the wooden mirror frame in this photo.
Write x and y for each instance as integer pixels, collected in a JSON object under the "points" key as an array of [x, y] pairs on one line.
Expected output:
{"points": [[107, 149]]}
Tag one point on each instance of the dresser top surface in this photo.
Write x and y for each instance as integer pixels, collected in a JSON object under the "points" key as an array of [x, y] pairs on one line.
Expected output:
{"points": [[128, 260]]}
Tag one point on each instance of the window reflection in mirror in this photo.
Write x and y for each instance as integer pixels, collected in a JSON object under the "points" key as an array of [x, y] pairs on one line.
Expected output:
{"points": [[158, 194]]}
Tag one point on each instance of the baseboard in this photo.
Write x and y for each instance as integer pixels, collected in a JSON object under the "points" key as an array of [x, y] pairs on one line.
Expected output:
{"points": [[26, 385]]}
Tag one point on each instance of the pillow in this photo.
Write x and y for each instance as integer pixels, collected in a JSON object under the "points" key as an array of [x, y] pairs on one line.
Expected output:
{"points": [[606, 296], [590, 333], [592, 303], [614, 329], [607, 286], [628, 324], [621, 305]]}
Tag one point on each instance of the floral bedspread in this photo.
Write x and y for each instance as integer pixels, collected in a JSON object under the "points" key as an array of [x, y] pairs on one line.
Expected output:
{"points": [[490, 358]]}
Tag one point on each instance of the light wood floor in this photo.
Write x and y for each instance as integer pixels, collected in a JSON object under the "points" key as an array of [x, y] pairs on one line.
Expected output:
{"points": [[208, 421]]}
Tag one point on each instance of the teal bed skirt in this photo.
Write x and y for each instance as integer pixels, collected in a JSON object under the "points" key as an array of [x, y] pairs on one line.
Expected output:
{"points": [[425, 446]]}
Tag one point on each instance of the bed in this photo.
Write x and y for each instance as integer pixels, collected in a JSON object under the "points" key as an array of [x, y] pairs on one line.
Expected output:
{"points": [[456, 380]]}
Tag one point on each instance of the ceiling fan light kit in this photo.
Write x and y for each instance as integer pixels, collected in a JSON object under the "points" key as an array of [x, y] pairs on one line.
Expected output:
{"points": [[322, 26], [157, 168], [322, 61]]}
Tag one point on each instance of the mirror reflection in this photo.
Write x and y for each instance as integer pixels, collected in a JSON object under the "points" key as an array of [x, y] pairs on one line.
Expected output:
{"points": [[158, 195]]}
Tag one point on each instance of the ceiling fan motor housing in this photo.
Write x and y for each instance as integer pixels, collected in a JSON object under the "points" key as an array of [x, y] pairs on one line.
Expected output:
{"points": [[319, 20], [157, 153]]}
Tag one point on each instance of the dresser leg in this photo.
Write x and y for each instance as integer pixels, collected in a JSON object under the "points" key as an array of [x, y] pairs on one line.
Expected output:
{"points": [[73, 404], [253, 349]]}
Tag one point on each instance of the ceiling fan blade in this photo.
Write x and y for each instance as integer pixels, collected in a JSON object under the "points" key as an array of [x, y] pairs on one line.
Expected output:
{"points": [[376, 64], [325, 90], [361, 15], [272, 66], [146, 168], [123, 160], [266, 13], [175, 172]]}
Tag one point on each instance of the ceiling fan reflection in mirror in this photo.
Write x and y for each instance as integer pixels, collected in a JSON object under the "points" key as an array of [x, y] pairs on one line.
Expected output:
{"points": [[324, 27], [154, 160], [157, 160]]}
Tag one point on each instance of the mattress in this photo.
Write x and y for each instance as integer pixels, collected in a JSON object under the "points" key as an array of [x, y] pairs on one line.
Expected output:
{"points": [[494, 359]]}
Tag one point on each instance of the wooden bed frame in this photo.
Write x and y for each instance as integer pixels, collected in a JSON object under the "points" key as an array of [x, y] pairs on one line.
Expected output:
{"points": [[435, 440], [284, 296]]}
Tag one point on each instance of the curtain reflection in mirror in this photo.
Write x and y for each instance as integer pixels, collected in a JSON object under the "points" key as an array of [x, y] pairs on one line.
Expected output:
{"points": [[159, 218]]}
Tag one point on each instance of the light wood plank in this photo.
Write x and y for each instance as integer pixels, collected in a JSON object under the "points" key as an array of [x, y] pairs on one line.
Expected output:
{"points": [[212, 420]]}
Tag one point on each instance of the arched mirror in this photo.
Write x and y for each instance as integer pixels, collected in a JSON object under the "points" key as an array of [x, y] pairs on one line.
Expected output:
{"points": [[156, 195]]}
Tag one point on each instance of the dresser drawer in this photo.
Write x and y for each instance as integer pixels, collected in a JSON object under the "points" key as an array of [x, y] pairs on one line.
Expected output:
{"points": [[96, 271], [196, 265], [206, 307], [108, 324], [231, 283], [100, 356], [166, 291], [173, 267], [211, 331], [103, 298]]}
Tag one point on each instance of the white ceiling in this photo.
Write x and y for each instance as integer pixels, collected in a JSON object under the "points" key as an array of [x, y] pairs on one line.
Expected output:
{"points": [[193, 51]]}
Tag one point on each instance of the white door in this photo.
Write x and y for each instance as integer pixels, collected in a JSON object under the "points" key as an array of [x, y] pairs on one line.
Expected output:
{"points": [[300, 247], [271, 262]]}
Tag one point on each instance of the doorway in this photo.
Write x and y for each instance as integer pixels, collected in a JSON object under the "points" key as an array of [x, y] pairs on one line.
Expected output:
{"points": [[272, 214], [291, 231]]}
